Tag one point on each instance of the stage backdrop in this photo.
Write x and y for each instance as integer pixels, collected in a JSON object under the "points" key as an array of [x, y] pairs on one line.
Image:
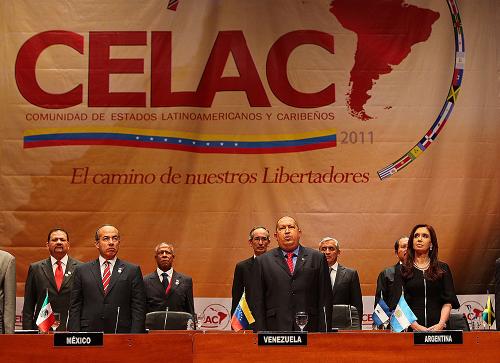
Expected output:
{"points": [[192, 121]]}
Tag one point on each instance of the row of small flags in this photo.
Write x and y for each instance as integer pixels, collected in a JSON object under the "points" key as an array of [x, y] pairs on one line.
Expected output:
{"points": [[400, 319]]}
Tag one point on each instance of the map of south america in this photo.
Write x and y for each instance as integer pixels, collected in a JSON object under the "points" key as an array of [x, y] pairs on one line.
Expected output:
{"points": [[386, 31]]}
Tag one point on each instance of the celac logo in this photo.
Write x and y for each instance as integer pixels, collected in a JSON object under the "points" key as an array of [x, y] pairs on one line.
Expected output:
{"points": [[215, 316], [472, 310]]}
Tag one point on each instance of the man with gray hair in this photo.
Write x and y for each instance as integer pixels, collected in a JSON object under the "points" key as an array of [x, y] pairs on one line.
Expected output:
{"points": [[258, 239], [345, 281], [166, 287]]}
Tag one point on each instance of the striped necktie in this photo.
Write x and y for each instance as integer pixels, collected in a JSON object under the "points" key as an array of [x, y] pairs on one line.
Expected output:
{"points": [[289, 261], [106, 276]]}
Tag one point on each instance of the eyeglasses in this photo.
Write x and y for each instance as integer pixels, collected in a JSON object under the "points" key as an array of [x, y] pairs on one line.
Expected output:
{"points": [[263, 239]]}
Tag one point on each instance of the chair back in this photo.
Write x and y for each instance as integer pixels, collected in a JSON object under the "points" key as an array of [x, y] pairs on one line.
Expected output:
{"points": [[168, 320], [457, 322], [345, 317]]}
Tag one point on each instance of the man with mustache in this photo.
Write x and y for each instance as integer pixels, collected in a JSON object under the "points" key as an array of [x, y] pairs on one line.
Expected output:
{"points": [[53, 274], [108, 293]]}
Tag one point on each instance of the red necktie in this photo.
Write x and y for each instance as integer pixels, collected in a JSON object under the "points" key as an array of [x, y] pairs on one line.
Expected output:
{"points": [[59, 275], [289, 261], [106, 276]]}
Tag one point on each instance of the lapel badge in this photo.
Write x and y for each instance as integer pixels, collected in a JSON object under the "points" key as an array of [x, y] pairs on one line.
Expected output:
{"points": [[176, 282], [120, 270], [67, 273]]}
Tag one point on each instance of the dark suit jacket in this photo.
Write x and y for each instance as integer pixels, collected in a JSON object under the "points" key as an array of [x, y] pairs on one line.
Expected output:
{"points": [[346, 289], [243, 281], [385, 281], [179, 298], [497, 292], [92, 311], [280, 295], [40, 278]]}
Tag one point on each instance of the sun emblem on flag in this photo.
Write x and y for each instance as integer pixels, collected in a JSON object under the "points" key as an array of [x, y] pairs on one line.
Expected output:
{"points": [[398, 313]]}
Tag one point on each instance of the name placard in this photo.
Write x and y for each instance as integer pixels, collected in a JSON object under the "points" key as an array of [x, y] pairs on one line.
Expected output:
{"points": [[64, 339], [439, 337], [282, 338]]}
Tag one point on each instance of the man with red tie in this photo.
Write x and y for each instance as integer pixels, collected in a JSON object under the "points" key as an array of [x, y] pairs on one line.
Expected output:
{"points": [[166, 287], [108, 293], [55, 275], [291, 279]]}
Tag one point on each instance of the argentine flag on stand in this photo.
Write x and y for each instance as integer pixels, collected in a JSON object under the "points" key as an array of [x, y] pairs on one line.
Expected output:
{"points": [[381, 313], [402, 316], [242, 316]]}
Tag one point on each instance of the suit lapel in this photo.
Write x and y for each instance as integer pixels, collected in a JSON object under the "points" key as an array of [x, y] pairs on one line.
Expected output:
{"points": [[49, 273], [96, 272], [68, 274], [301, 260], [174, 283], [115, 274], [156, 283], [338, 277], [280, 260]]}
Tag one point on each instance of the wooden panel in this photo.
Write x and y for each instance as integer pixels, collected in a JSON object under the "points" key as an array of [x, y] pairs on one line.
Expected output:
{"points": [[345, 347], [117, 348]]}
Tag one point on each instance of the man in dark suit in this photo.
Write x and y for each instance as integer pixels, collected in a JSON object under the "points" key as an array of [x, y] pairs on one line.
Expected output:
{"points": [[259, 240], [344, 281], [108, 293], [55, 275], [386, 277], [166, 287], [497, 292], [291, 279]]}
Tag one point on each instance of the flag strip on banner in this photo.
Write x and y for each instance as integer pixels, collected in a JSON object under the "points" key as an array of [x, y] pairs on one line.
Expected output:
{"points": [[184, 141], [451, 97]]}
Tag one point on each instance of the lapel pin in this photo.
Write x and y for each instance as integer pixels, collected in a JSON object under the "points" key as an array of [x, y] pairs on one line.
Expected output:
{"points": [[303, 259], [120, 270], [177, 282]]}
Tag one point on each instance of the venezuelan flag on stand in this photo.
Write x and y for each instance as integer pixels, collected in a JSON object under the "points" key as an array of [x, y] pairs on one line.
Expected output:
{"points": [[242, 316], [488, 312]]}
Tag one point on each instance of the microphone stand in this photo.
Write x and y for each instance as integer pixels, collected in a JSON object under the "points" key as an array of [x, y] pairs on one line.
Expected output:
{"points": [[117, 316]]}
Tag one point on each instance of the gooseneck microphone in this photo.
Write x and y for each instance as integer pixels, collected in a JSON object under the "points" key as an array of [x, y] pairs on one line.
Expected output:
{"points": [[165, 322], [324, 313], [117, 317]]}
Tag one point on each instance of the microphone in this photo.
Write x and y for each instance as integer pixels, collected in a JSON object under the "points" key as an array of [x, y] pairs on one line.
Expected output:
{"points": [[165, 322], [117, 317], [324, 313]]}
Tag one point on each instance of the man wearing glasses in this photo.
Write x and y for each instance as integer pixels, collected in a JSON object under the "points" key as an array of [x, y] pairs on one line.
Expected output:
{"points": [[259, 240], [108, 293]]}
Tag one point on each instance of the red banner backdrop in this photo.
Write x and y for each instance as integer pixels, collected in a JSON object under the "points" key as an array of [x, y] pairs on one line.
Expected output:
{"points": [[195, 122]]}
